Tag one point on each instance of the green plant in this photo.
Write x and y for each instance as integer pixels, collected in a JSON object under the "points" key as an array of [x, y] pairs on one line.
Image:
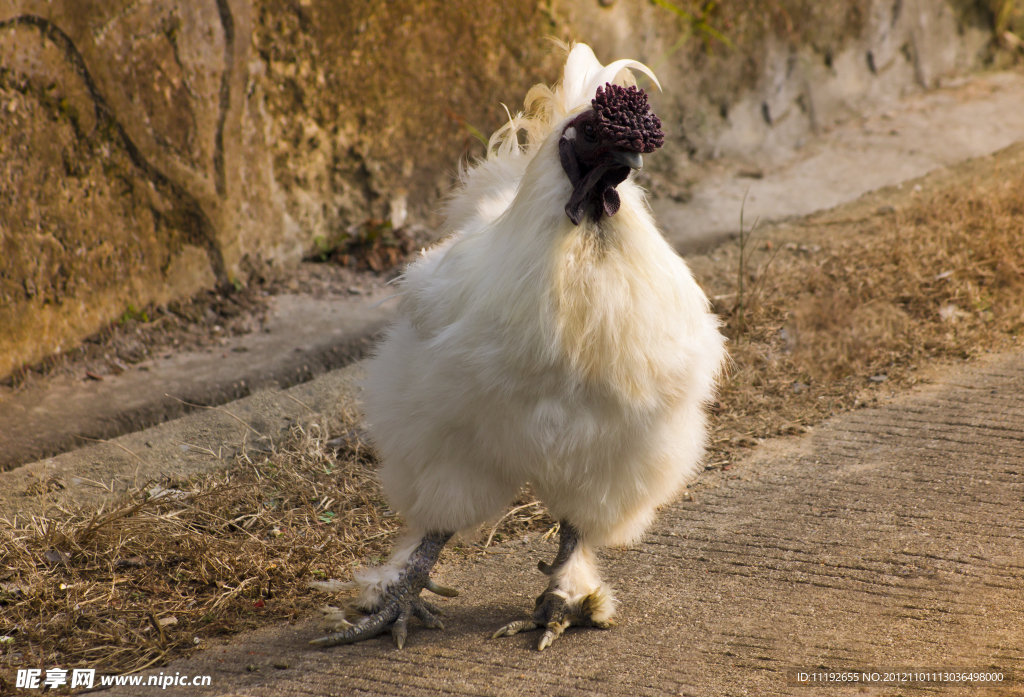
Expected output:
{"points": [[694, 24], [322, 248], [133, 313]]}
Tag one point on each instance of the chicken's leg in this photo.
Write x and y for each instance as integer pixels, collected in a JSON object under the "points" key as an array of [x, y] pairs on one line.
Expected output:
{"points": [[575, 596], [393, 596]]}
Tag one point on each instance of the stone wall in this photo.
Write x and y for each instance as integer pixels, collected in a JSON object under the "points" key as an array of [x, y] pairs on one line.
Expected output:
{"points": [[125, 176], [152, 148]]}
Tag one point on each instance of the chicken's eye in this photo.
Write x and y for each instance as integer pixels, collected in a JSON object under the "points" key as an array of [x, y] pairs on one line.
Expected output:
{"points": [[589, 132]]}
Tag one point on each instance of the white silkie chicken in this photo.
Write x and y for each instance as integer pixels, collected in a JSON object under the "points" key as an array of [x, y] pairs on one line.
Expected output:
{"points": [[553, 338]]}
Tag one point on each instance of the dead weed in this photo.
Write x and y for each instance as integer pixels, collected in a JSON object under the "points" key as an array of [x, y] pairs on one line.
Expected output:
{"points": [[866, 303], [174, 564]]}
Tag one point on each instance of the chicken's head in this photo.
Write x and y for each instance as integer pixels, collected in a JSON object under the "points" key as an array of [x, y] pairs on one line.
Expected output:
{"points": [[600, 146]]}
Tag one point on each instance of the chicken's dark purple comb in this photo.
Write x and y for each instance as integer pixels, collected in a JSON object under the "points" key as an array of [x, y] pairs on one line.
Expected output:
{"points": [[625, 119]]}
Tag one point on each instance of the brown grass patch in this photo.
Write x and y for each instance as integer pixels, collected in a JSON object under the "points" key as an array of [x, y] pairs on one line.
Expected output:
{"points": [[851, 306], [175, 564], [843, 302]]}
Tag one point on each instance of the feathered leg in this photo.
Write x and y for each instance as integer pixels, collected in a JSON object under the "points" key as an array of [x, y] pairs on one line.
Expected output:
{"points": [[391, 595], [575, 596]]}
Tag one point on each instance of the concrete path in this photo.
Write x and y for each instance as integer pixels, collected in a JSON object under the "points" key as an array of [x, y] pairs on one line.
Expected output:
{"points": [[303, 337], [890, 537], [197, 442], [895, 142]]}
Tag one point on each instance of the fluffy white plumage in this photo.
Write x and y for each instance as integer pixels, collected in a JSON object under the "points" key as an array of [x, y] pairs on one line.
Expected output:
{"points": [[531, 350]]}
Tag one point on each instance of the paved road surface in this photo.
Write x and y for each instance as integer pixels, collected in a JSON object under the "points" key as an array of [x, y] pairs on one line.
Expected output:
{"points": [[887, 537]]}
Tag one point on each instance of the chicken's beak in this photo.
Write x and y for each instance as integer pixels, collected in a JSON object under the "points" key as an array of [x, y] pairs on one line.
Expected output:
{"points": [[633, 160]]}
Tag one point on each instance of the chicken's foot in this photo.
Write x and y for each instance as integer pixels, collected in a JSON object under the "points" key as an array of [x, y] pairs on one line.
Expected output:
{"points": [[562, 605], [399, 599]]}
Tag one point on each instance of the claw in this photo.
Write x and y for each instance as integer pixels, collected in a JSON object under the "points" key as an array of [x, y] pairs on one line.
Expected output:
{"points": [[553, 631], [425, 612], [430, 607], [366, 629], [546, 640], [441, 590], [398, 630], [554, 616], [513, 628], [554, 612], [400, 599]]}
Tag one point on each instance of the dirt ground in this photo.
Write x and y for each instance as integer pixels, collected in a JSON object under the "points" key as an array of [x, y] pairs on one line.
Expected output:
{"points": [[160, 362], [211, 318], [801, 358]]}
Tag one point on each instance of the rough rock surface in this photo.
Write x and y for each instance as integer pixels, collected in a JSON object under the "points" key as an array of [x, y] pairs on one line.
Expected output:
{"points": [[150, 150]]}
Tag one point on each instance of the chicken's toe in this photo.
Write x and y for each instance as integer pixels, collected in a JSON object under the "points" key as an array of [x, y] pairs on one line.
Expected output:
{"points": [[395, 601], [513, 628], [554, 614]]}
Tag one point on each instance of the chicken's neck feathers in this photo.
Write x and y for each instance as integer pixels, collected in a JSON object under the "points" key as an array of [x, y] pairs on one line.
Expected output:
{"points": [[602, 302]]}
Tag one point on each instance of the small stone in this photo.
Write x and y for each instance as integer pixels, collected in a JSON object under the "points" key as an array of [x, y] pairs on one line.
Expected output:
{"points": [[878, 378], [399, 211], [949, 313], [55, 556], [136, 562]]}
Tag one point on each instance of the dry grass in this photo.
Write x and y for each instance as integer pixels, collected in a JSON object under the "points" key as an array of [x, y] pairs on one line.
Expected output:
{"points": [[176, 563], [173, 566], [855, 305]]}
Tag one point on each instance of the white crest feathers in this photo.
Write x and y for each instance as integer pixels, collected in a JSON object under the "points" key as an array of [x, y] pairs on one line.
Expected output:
{"points": [[584, 74], [544, 107]]}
